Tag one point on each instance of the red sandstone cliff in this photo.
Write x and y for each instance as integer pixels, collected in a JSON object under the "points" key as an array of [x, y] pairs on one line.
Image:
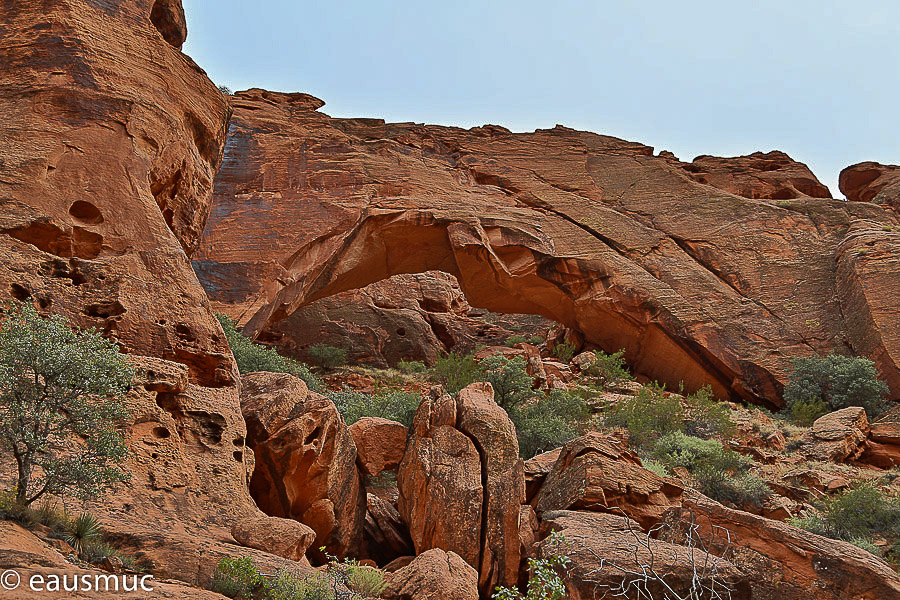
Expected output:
{"points": [[717, 271], [109, 144]]}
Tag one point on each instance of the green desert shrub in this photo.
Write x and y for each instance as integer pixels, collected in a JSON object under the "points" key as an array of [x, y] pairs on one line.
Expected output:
{"points": [[840, 381], [327, 357], [411, 367], [611, 367], [456, 371], [805, 412], [647, 416], [564, 351], [251, 356], [545, 577], [365, 581], [721, 474], [705, 416], [61, 404], [857, 514], [548, 422], [286, 585], [511, 383], [237, 578], [388, 404]]}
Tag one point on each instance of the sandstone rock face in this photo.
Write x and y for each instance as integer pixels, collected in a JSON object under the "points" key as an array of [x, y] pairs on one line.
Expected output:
{"points": [[872, 182], [696, 283], [380, 444], [596, 474], [305, 460], [110, 142], [284, 537], [433, 575], [21, 550], [462, 483], [765, 176], [405, 317], [605, 547], [788, 563]]}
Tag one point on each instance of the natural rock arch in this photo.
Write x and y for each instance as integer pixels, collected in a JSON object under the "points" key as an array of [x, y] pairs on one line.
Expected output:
{"points": [[697, 283]]}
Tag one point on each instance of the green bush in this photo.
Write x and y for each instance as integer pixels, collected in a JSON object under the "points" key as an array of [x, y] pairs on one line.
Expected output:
{"points": [[858, 514], [805, 412], [705, 416], [515, 339], [647, 415], [61, 401], [240, 579], [611, 367], [549, 422], [564, 351], [721, 474], [511, 383], [365, 581], [456, 371], [327, 357], [289, 586], [251, 357], [388, 404], [411, 367], [840, 381], [545, 582], [237, 578]]}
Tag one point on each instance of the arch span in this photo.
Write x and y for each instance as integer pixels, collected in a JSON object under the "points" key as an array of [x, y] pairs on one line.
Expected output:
{"points": [[696, 283]]}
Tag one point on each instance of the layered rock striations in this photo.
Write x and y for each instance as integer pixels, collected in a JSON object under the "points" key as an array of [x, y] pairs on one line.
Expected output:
{"points": [[718, 271], [109, 144]]}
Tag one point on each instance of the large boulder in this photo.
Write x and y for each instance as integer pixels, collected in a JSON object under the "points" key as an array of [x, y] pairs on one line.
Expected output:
{"points": [[284, 537], [380, 444], [839, 436], [612, 557], [596, 473], [462, 483], [785, 562], [433, 575], [305, 460], [718, 271]]}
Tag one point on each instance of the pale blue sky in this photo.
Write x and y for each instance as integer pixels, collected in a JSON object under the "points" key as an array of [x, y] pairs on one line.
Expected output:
{"points": [[817, 79]]}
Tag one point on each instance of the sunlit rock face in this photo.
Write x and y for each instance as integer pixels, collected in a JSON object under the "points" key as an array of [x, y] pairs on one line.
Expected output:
{"points": [[713, 280]]}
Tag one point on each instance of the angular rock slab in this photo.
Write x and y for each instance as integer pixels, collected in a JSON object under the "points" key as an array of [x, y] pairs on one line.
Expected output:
{"points": [[595, 473], [611, 555]]}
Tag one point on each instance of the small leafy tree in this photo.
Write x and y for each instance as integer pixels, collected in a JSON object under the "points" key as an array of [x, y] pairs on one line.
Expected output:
{"points": [[840, 381], [456, 371], [60, 402], [511, 382]]}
